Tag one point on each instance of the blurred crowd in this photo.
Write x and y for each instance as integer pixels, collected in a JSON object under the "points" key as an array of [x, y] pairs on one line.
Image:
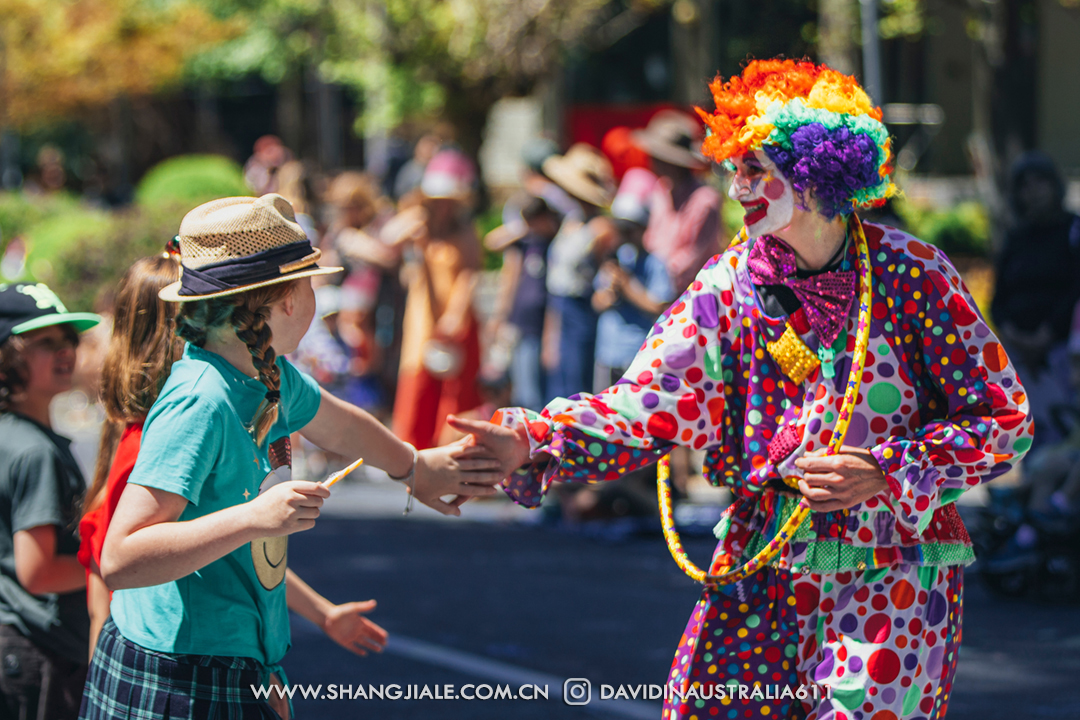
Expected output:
{"points": [[594, 246], [1036, 310]]}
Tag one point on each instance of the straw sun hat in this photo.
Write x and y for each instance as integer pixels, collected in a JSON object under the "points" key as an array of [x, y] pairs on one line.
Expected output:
{"points": [[583, 172], [673, 137], [235, 244]]}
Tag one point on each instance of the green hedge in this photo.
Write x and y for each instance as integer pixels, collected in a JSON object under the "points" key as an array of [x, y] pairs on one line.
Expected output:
{"points": [[92, 262], [19, 212], [960, 230], [191, 180], [82, 251]]}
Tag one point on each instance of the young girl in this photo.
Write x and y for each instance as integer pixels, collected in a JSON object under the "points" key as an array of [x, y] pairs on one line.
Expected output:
{"points": [[196, 551], [139, 357], [43, 622]]}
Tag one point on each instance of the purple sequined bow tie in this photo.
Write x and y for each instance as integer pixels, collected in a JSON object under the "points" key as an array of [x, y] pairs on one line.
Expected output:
{"points": [[826, 297]]}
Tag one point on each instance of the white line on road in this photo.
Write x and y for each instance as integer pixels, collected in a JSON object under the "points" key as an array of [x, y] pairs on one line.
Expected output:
{"points": [[489, 669]]}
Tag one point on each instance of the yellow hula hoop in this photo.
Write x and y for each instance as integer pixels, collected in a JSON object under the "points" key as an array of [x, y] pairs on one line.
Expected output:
{"points": [[730, 574]]}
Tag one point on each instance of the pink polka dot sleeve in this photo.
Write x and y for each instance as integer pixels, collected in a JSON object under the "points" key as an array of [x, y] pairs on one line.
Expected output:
{"points": [[976, 425]]}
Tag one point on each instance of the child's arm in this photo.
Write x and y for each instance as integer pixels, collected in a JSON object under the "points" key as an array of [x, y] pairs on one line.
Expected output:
{"points": [[353, 433], [98, 602], [40, 569], [345, 624], [146, 545]]}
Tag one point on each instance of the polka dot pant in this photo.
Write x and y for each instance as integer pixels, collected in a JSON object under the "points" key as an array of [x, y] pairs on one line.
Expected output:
{"points": [[884, 642]]}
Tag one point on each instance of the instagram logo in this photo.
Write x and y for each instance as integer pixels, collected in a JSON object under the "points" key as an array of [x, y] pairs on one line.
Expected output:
{"points": [[577, 691]]}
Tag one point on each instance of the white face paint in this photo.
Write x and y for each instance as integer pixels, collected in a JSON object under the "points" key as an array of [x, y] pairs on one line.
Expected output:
{"points": [[767, 197]]}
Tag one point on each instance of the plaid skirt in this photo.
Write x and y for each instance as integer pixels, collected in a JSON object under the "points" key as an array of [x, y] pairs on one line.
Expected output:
{"points": [[129, 682]]}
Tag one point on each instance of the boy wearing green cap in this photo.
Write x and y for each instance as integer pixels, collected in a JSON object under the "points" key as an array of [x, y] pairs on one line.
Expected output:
{"points": [[44, 626]]}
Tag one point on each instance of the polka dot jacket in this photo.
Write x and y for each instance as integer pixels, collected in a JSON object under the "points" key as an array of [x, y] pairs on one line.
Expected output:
{"points": [[940, 408]]}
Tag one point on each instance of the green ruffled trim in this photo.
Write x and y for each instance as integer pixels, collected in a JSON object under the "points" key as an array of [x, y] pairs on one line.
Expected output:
{"points": [[832, 556]]}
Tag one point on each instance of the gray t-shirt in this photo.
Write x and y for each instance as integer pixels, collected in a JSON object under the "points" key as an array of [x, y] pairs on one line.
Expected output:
{"points": [[40, 484]]}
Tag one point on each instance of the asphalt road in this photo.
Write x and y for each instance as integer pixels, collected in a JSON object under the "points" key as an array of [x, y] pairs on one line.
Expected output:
{"points": [[483, 602]]}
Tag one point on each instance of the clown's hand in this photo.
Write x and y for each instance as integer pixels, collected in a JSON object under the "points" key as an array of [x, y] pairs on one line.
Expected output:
{"points": [[837, 482], [510, 447]]}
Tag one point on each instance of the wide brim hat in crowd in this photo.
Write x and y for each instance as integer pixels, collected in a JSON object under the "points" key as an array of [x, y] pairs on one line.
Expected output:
{"points": [[583, 172], [236, 244], [449, 175], [673, 137], [32, 306]]}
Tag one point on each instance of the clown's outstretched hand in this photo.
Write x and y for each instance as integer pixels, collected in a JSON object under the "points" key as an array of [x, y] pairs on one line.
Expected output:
{"points": [[510, 447]]}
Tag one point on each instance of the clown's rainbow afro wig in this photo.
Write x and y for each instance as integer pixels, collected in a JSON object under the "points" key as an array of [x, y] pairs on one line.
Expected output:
{"points": [[815, 123]]}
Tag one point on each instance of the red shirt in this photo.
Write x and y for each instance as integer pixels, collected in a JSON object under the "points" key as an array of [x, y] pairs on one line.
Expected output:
{"points": [[95, 524]]}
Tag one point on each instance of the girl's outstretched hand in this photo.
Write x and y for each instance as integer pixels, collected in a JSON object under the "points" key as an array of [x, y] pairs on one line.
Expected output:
{"points": [[510, 447], [346, 625], [460, 469], [287, 507]]}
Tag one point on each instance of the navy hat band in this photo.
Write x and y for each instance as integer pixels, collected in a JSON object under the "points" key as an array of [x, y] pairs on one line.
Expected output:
{"points": [[241, 272]]}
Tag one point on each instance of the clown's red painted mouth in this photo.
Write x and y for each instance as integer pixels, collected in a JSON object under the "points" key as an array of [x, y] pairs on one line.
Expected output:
{"points": [[755, 210]]}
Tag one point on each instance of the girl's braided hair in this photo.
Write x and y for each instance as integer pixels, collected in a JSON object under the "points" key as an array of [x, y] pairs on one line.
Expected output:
{"points": [[248, 314]]}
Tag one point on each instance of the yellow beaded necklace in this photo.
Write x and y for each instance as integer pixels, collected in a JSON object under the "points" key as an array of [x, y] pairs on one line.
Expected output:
{"points": [[730, 574]]}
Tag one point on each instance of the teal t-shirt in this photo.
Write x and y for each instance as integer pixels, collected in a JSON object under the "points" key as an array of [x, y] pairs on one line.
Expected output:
{"points": [[195, 443]]}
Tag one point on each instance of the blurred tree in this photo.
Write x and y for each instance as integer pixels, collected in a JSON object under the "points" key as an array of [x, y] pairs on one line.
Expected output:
{"points": [[408, 58], [473, 51], [59, 56], [902, 19]]}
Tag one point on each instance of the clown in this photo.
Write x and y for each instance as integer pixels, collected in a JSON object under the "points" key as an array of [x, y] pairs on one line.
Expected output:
{"points": [[821, 364]]}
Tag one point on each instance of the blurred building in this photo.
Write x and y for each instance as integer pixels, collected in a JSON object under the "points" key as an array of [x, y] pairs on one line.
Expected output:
{"points": [[1003, 71]]}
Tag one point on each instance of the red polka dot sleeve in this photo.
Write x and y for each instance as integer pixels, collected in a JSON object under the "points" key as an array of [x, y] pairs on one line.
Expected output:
{"points": [[973, 423]]}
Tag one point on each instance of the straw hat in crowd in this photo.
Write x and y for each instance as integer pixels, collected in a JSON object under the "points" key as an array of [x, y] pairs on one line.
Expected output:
{"points": [[673, 137], [235, 244], [583, 172]]}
